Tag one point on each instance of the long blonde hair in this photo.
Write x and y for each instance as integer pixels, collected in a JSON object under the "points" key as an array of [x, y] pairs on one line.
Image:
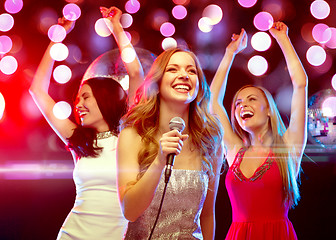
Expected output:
{"points": [[284, 155], [204, 129]]}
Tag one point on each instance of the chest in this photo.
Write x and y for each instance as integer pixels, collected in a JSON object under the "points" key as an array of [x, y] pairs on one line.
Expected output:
{"points": [[189, 158], [252, 161]]}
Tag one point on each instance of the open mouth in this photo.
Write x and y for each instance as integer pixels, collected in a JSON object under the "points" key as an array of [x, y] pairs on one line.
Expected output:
{"points": [[182, 87], [246, 115]]}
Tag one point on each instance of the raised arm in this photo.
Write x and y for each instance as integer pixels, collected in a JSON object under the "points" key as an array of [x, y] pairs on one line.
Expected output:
{"points": [[218, 87], [40, 86], [134, 68], [135, 196], [296, 134]]}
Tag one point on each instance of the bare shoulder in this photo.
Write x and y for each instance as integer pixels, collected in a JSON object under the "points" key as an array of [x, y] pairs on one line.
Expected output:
{"points": [[129, 140]]}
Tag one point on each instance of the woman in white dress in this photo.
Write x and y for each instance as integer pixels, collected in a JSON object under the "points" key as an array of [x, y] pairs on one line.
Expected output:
{"points": [[100, 104]]}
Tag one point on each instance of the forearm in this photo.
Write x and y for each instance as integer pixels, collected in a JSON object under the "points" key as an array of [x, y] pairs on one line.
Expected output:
{"points": [[294, 65], [138, 197], [208, 227]]}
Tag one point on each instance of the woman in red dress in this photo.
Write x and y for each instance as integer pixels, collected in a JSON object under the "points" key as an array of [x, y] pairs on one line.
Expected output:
{"points": [[263, 155]]}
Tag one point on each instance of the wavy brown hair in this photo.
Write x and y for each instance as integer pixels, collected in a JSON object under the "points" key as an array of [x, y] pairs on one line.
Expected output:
{"points": [[204, 129], [284, 155]]}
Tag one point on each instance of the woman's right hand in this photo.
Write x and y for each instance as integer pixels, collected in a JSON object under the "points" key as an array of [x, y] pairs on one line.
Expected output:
{"points": [[171, 142], [238, 42], [67, 24]]}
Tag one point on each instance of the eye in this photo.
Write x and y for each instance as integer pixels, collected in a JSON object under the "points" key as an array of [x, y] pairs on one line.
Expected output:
{"points": [[171, 69], [237, 103], [192, 71]]}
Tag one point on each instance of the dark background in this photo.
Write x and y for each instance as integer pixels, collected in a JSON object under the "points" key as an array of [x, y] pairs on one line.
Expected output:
{"points": [[36, 188]]}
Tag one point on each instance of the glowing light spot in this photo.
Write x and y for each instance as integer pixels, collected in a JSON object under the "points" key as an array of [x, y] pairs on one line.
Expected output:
{"points": [[101, 27], [306, 32], [320, 9], [132, 6], [126, 20], [46, 18], [167, 29], [329, 107], [257, 65], [13, 6], [333, 82], [8, 65], [6, 22], [75, 54], [261, 41], [168, 43], [56, 33], [158, 18], [247, 3], [332, 41], [59, 52], [28, 107], [181, 2], [124, 82], [263, 21], [316, 55], [321, 33], [179, 12], [62, 74], [62, 110], [71, 12], [205, 25], [2, 105], [325, 67], [5, 44], [128, 55], [214, 13]]}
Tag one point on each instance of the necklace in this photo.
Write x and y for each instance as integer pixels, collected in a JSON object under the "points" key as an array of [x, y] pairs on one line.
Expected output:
{"points": [[102, 135]]}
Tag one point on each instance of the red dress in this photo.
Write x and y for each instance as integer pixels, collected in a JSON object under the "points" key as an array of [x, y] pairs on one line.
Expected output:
{"points": [[258, 211]]}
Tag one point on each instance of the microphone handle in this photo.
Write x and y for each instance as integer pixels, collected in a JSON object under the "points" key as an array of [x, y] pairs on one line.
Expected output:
{"points": [[169, 166]]}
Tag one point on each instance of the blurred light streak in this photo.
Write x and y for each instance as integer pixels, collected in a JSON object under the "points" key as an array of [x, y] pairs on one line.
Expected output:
{"points": [[25, 170]]}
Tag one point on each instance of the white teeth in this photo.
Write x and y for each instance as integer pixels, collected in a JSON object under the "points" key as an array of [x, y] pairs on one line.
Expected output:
{"points": [[184, 87], [246, 114]]}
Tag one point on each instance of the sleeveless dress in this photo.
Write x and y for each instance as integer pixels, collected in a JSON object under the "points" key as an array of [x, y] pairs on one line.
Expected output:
{"points": [[258, 211], [96, 213], [181, 209]]}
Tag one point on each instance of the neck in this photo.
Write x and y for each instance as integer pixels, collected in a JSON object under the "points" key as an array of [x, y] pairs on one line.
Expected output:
{"points": [[167, 112]]}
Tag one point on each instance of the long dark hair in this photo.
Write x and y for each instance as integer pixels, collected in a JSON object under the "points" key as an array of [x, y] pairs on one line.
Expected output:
{"points": [[112, 102]]}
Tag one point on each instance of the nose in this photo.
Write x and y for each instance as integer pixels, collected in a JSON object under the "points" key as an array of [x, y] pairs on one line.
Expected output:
{"points": [[184, 75], [79, 105]]}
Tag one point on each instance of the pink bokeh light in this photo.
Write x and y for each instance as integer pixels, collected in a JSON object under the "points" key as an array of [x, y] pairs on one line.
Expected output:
{"points": [[263, 21]]}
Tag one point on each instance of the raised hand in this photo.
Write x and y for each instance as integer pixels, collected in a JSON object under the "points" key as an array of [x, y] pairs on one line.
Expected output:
{"points": [[279, 30], [238, 42], [67, 24], [113, 13]]}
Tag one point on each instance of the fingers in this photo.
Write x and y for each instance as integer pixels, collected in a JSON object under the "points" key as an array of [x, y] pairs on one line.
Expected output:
{"points": [[172, 142]]}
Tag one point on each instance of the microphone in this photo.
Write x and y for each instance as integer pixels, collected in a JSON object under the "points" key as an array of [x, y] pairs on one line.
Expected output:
{"points": [[178, 124]]}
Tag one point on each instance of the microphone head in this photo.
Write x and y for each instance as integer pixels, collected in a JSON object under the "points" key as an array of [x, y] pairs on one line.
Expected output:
{"points": [[177, 123]]}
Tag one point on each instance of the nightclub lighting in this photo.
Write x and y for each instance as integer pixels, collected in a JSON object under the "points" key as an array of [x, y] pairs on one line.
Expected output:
{"points": [[101, 28], [179, 12], [261, 41], [204, 24], [5, 44], [13, 6], [329, 107], [126, 20], [2, 105], [124, 82], [6, 22], [263, 21], [214, 13], [316, 55], [159, 16], [62, 74], [181, 2], [168, 43], [332, 41], [321, 33], [333, 82], [257, 65], [71, 12], [8, 65], [247, 3], [59, 52], [132, 6], [62, 110], [56, 33], [306, 32], [128, 55], [28, 107], [167, 29], [320, 9]]}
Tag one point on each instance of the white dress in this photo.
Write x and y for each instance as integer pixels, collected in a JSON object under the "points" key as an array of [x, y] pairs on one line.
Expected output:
{"points": [[96, 213]]}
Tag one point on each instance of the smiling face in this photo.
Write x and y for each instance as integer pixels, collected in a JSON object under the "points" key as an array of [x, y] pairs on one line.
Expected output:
{"points": [[180, 80], [88, 111], [251, 109]]}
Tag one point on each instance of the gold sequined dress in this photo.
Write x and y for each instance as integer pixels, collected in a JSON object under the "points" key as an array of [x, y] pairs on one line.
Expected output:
{"points": [[181, 209]]}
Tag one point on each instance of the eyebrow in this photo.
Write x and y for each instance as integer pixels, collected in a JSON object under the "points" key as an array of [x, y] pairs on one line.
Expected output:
{"points": [[176, 65], [251, 95]]}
